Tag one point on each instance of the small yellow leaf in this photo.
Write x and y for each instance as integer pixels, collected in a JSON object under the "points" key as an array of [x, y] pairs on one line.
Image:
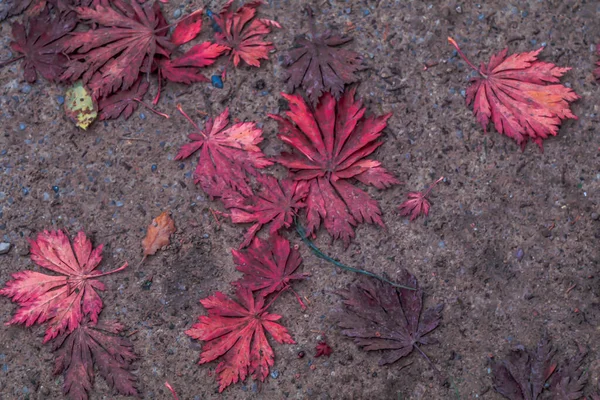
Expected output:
{"points": [[80, 107]]}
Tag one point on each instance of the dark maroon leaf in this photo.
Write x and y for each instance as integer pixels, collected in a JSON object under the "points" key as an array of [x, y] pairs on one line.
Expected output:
{"points": [[123, 102], [380, 317], [10, 8], [568, 382], [323, 349], [88, 345], [318, 64], [42, 44]]}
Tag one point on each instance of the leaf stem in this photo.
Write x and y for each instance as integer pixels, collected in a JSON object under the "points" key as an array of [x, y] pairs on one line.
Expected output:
{"points": [[171, 390], [190, 120], [152, 109], [12, 60], [453, 43], [432, 186], [121, 268], [302, 233]]}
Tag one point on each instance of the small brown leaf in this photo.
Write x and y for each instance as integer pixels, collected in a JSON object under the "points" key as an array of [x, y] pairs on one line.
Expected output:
{"points": [[158, 234]]}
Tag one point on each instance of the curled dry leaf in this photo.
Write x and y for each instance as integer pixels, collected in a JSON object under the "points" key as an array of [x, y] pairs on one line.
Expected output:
{"points": [[330, 149], [521, 95], [61, 300], [235, 333], [158, 234], [92, 345], [381, 317]]}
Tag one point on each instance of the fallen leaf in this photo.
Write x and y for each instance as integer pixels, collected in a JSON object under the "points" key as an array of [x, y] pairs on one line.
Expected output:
{"points": [[323, 349], [226, 155], [417, 203], [124, 102], [42, 45], [235, 332], [521, 95], [329, 148], [111, 57], [380, 317], [524, 374], [158, 234], [243, 35], [276, 203], [62, 300], [268, 265], [92, 345], [80, 106], [318, 64], [188, 28]]}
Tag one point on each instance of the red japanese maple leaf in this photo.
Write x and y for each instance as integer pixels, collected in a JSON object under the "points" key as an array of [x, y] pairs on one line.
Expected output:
{"points": [[124, 102], [277, 203], [94, 344], [226, 155], [63, 300], [323, 349], [188, 28], [112, 56], [236, 332], [522, 96], [417, 202], [330, 145], [187, 68], [268, 266], [242, 34], [42, 45]]}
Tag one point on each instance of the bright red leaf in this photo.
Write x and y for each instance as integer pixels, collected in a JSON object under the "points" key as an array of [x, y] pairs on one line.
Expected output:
{"points": [[417, 203], [128, 37], [323, 349], [521, 95], [277, 203], [226, 155], [242, 34], [62, 300], [236, 333], [329, 148], [94, 344], [42, 45], [268, 266], [188, 28], [124, 102]]}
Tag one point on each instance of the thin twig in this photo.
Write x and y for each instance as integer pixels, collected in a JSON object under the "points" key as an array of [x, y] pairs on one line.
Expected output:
{"points": [[134, 139], [302, 232]]}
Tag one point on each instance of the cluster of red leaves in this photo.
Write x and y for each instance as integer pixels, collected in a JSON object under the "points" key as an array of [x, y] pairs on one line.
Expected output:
{"points": [[381, 317], [69, 305], [525, 374], [125, 42], [234, 331], [521, 95]]}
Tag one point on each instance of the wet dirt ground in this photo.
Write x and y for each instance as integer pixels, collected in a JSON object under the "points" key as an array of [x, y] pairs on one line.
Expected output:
{"points": [[510, 247]]}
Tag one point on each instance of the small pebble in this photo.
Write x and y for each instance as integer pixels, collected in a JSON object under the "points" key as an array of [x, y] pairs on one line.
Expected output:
{"points": [[119, 203], [25, 191], [22, 126], [60, 99], [275, 374], [301, 354], [142, 116], [55, 189], [177, 13], [216, 81], [154, 168], [595, 216], [26, 89], [519, 254], [4, 247]]}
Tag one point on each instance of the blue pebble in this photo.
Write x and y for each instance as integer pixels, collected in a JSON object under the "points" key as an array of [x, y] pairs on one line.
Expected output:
{"points": [[481, 17], [181, 166], [25, 191], [46, 196], [519, 254], [177, 13], [524, 14], [22, 126], [463, 93], [533, 42], [60, 99], [441, 244], [275, 374], [154, 168], [366, 12], [3, 152], [55, 189], [26, 89], [216, 81], [142, 116], [209, 13], [119, 203]]}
